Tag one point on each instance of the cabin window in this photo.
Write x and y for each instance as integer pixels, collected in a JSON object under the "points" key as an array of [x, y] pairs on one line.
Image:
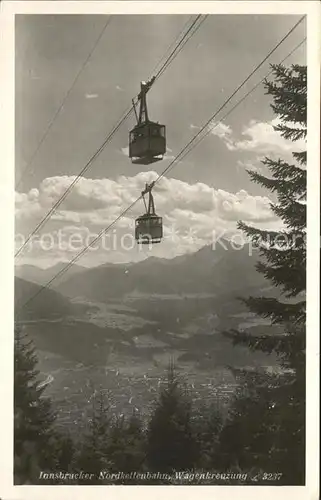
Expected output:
{"points": [[137, 134]]}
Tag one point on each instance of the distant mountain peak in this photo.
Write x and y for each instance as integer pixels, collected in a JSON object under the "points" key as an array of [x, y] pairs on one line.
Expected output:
{"points": [[208, 270]]}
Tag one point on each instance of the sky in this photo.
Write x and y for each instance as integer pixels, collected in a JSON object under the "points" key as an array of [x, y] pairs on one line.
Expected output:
{"points": [[206, 193]]}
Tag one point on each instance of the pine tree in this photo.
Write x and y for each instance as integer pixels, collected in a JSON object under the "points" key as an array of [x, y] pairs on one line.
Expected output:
{"points": [[93, 454], [171, 443], [65, 452], [126, 447], [246, 439], [33, 417], [283, 263], [208, 423]]}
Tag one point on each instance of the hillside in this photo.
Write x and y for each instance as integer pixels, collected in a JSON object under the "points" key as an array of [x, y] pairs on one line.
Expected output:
{"points": [[209, 271], [47, 304], [42, 276]]}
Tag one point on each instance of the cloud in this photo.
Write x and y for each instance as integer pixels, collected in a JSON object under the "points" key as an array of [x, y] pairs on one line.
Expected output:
{"points": [[262, 137], [91, 96], [221, 130], [241, 205], [255, 165], [27, 204], [125, 151], [168, 156], [191, 213], [257, 137], [97, 201]]}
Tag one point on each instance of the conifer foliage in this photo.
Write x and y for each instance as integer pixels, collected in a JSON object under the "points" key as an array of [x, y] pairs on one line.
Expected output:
{"points": [[34, 438], [93, 454], [283, 263], [284, 252], [171, 442], [127, 445]]}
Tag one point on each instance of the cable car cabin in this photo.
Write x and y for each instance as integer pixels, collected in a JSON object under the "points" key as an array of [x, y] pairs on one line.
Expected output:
{"points": [[147, 143], [148, 229]]}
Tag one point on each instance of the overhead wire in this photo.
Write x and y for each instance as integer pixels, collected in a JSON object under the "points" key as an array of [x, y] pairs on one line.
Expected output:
{"points": [[194, 27], [184, 150], [170, 47], [169, 59], [64, 100], [210, 129], [230, 98]]}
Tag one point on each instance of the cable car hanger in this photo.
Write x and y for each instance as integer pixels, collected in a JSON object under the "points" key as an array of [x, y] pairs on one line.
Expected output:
{"points": [[145, 86], [151, 205], [147, 142]]}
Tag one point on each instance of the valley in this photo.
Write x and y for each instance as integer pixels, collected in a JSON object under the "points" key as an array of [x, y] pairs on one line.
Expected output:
{"points": [[122, 343], [126, 355]]}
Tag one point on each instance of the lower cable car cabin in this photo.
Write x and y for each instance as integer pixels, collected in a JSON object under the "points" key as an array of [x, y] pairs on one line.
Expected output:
{"points": [[148, 229], [147, 140], [147, 143]]}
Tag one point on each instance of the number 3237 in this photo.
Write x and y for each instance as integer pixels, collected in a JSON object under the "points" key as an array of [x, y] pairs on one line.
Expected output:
{"points": [[271, 476]]}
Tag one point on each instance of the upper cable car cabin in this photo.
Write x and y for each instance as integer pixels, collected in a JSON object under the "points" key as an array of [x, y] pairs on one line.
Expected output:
{"points": [[147, 143], [147, 140]]}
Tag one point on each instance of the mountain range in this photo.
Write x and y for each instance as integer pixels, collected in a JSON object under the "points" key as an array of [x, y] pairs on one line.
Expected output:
{"points": [[211, 271], [41, 276], [207, 273]]}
